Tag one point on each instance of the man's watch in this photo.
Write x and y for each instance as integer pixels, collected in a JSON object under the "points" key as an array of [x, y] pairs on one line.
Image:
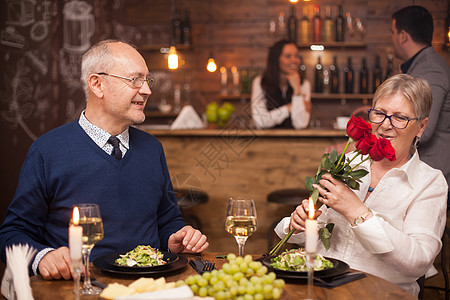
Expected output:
{"points": [[359, 220]]}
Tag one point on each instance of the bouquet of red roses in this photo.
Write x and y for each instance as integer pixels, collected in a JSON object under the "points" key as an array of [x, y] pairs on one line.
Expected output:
{"points": [[339, 167]]}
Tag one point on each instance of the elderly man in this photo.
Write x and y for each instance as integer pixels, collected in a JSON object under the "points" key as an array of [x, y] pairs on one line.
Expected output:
{"points": [[99, 159]]}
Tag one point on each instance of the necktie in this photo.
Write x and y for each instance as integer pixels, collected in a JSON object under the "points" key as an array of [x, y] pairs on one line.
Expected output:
{"points": [[114, 141]]}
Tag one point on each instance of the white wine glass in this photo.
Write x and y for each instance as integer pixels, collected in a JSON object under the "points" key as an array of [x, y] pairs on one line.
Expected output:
{"points": [[241, 220], [92, 224]]}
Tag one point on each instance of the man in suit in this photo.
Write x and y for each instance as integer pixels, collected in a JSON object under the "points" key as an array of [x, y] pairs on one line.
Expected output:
{"points": [[412, 33]]}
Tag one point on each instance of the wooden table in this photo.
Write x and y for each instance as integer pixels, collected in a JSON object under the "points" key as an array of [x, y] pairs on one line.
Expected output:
{"points": [[370, 287]]}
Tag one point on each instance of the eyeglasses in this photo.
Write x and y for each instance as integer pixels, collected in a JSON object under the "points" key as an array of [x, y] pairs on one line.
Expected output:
{"points": [[398, 121], [136, 81]]}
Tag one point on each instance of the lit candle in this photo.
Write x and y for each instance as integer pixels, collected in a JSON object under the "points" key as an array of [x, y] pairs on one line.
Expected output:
{"points": [[312, 234], [75, 236]]}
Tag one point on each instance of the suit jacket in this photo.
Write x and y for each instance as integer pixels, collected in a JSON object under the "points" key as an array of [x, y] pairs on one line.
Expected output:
{"points": [[434, 149]]}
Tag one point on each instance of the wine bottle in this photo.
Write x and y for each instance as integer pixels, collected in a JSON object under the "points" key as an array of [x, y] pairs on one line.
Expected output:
{"points": [[390, 66], [318, 77], [327, 26], [334, 76], [302, 68], [363, 78], [304, 26], [317, 25], [348, 77], [339, 26], [176, 27], [292, 26], [186, 29], [377, 75]]}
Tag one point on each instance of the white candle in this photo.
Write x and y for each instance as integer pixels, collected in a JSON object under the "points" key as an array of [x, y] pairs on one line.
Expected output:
{"points": [[75, 236], [312, 231]]}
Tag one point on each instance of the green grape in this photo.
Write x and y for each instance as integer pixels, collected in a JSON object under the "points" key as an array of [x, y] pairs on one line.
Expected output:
{"points": [[258, 288], [267, 289], [258, 296], [231, 256], [234, 268], [278, 283], [249, 272], [255, 280], [180, 283], [276, 292], [239, 260], [219, 286], [261, 271], [241, 289], [240, 298], [230, 283], [250, 289], [243, 266], [227, 278], [226, 268], [243, 281], [194, 288], [213, 280], [227, 294], [268, 295], [197, 277], [272, 276], [248, 258], [207, 275], [220, 295], [233, 291], [190, 280], [211, 291], [214, 273], [203, 292], [248, 297], [255, 265], [237, 276], [202, 282]]}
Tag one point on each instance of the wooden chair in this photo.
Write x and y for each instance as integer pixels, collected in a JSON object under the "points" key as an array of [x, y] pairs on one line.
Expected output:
{"points": [[187, 198]]}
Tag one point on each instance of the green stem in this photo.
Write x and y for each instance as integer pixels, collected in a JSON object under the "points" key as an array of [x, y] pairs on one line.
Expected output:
{"points": [[367, 158], [276, 250], [343, 153]]}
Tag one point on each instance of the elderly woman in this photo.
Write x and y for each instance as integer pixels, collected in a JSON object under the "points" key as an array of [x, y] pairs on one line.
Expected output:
{"points": [[281, 97], [392, 226]]}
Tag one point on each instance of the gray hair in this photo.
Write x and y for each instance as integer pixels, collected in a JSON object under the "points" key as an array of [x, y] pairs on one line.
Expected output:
{"points": [[99, 58], [415, 89]]}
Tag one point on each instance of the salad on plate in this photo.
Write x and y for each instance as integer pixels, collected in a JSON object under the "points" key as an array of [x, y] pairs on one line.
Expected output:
{"points": [[295, 260], [142, 256]]}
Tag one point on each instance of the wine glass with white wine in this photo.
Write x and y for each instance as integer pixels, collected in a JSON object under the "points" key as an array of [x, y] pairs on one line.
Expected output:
{"points": [[92, 224], [241, 220]]}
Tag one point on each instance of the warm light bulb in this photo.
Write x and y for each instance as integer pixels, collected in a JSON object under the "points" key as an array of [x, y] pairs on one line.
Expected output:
{"points": [[211, 67], [311, 209], [293, 1], [172, 59]]}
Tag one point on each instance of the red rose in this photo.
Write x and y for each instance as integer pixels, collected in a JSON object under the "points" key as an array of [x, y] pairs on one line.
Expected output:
{"points": [[366, 143], [357, 127], [382, 149]]}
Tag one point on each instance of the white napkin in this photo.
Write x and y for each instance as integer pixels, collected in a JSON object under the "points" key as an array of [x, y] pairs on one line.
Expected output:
{"points": [[16, 282], [187, 119], [179, 293]]}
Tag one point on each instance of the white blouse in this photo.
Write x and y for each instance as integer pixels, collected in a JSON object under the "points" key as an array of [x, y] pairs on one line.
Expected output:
{"points": [[263, 118], [401, 240]]}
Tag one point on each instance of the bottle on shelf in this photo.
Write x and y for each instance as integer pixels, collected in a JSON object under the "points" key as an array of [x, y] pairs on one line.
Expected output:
{"points": [[186, 29], [349, 30], [363, 78], [334, 76], [292, 25], [176, 27], [317, 25], [390, 66], [318, 77], [302, 68], [245, 81], [377, 75], [339, 26], [348, 77], [328, 26], [304, 26]]}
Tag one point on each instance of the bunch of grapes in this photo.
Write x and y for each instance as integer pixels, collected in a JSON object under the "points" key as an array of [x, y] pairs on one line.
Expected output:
{"points": [[240, 278]]}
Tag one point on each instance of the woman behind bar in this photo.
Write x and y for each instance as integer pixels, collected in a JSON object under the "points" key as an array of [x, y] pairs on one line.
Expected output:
{"points": [[392, 226], [281, 98]]}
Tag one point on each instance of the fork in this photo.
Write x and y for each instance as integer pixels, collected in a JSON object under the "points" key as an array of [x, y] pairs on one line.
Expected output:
{"points": [[208, 266]]}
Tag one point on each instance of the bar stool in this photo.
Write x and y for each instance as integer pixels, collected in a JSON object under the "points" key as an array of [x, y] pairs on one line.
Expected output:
{"points": [[291, 197], [187, 198]]}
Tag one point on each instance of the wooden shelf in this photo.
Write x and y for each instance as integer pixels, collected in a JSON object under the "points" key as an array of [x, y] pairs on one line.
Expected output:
{"points": [[158, 47], [317, 96], [158, 114], [336, 45], [235, 97]]}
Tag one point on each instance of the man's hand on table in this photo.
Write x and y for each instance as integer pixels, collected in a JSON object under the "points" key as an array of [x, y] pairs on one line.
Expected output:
{"points": [[187, 240], [56, 264]]}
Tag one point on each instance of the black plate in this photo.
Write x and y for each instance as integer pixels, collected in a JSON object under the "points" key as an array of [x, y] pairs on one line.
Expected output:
{"points": [[168, 257], [100, 263], [339, 267]]}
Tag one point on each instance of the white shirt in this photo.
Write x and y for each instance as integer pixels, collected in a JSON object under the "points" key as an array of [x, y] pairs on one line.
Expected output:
{"points": [[263, 118], [401, 240]]}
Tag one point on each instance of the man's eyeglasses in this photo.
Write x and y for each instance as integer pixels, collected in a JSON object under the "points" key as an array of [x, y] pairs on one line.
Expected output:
{"points": [[136, 81], [398, 121]]}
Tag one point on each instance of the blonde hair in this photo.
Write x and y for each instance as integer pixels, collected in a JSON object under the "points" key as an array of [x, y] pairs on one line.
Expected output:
{"points": [[415, 89]]}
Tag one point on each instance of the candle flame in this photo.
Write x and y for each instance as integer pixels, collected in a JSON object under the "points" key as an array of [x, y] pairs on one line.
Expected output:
{"points": [[311, 209], [76, 215]]}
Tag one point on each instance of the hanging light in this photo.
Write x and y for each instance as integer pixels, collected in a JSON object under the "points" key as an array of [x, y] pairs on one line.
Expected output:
{"points": [[293, 1], [172, 59], [211, 66]]}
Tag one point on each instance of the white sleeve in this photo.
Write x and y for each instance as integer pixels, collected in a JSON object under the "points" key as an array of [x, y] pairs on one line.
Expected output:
{"points": [[299, 116], [262, 118]]}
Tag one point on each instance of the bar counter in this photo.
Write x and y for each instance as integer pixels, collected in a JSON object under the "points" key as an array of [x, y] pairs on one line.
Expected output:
{"points": [[227, 163]]}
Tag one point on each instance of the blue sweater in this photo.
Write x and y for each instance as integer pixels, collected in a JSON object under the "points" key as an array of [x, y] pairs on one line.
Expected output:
{"points": [[65, 167]]}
